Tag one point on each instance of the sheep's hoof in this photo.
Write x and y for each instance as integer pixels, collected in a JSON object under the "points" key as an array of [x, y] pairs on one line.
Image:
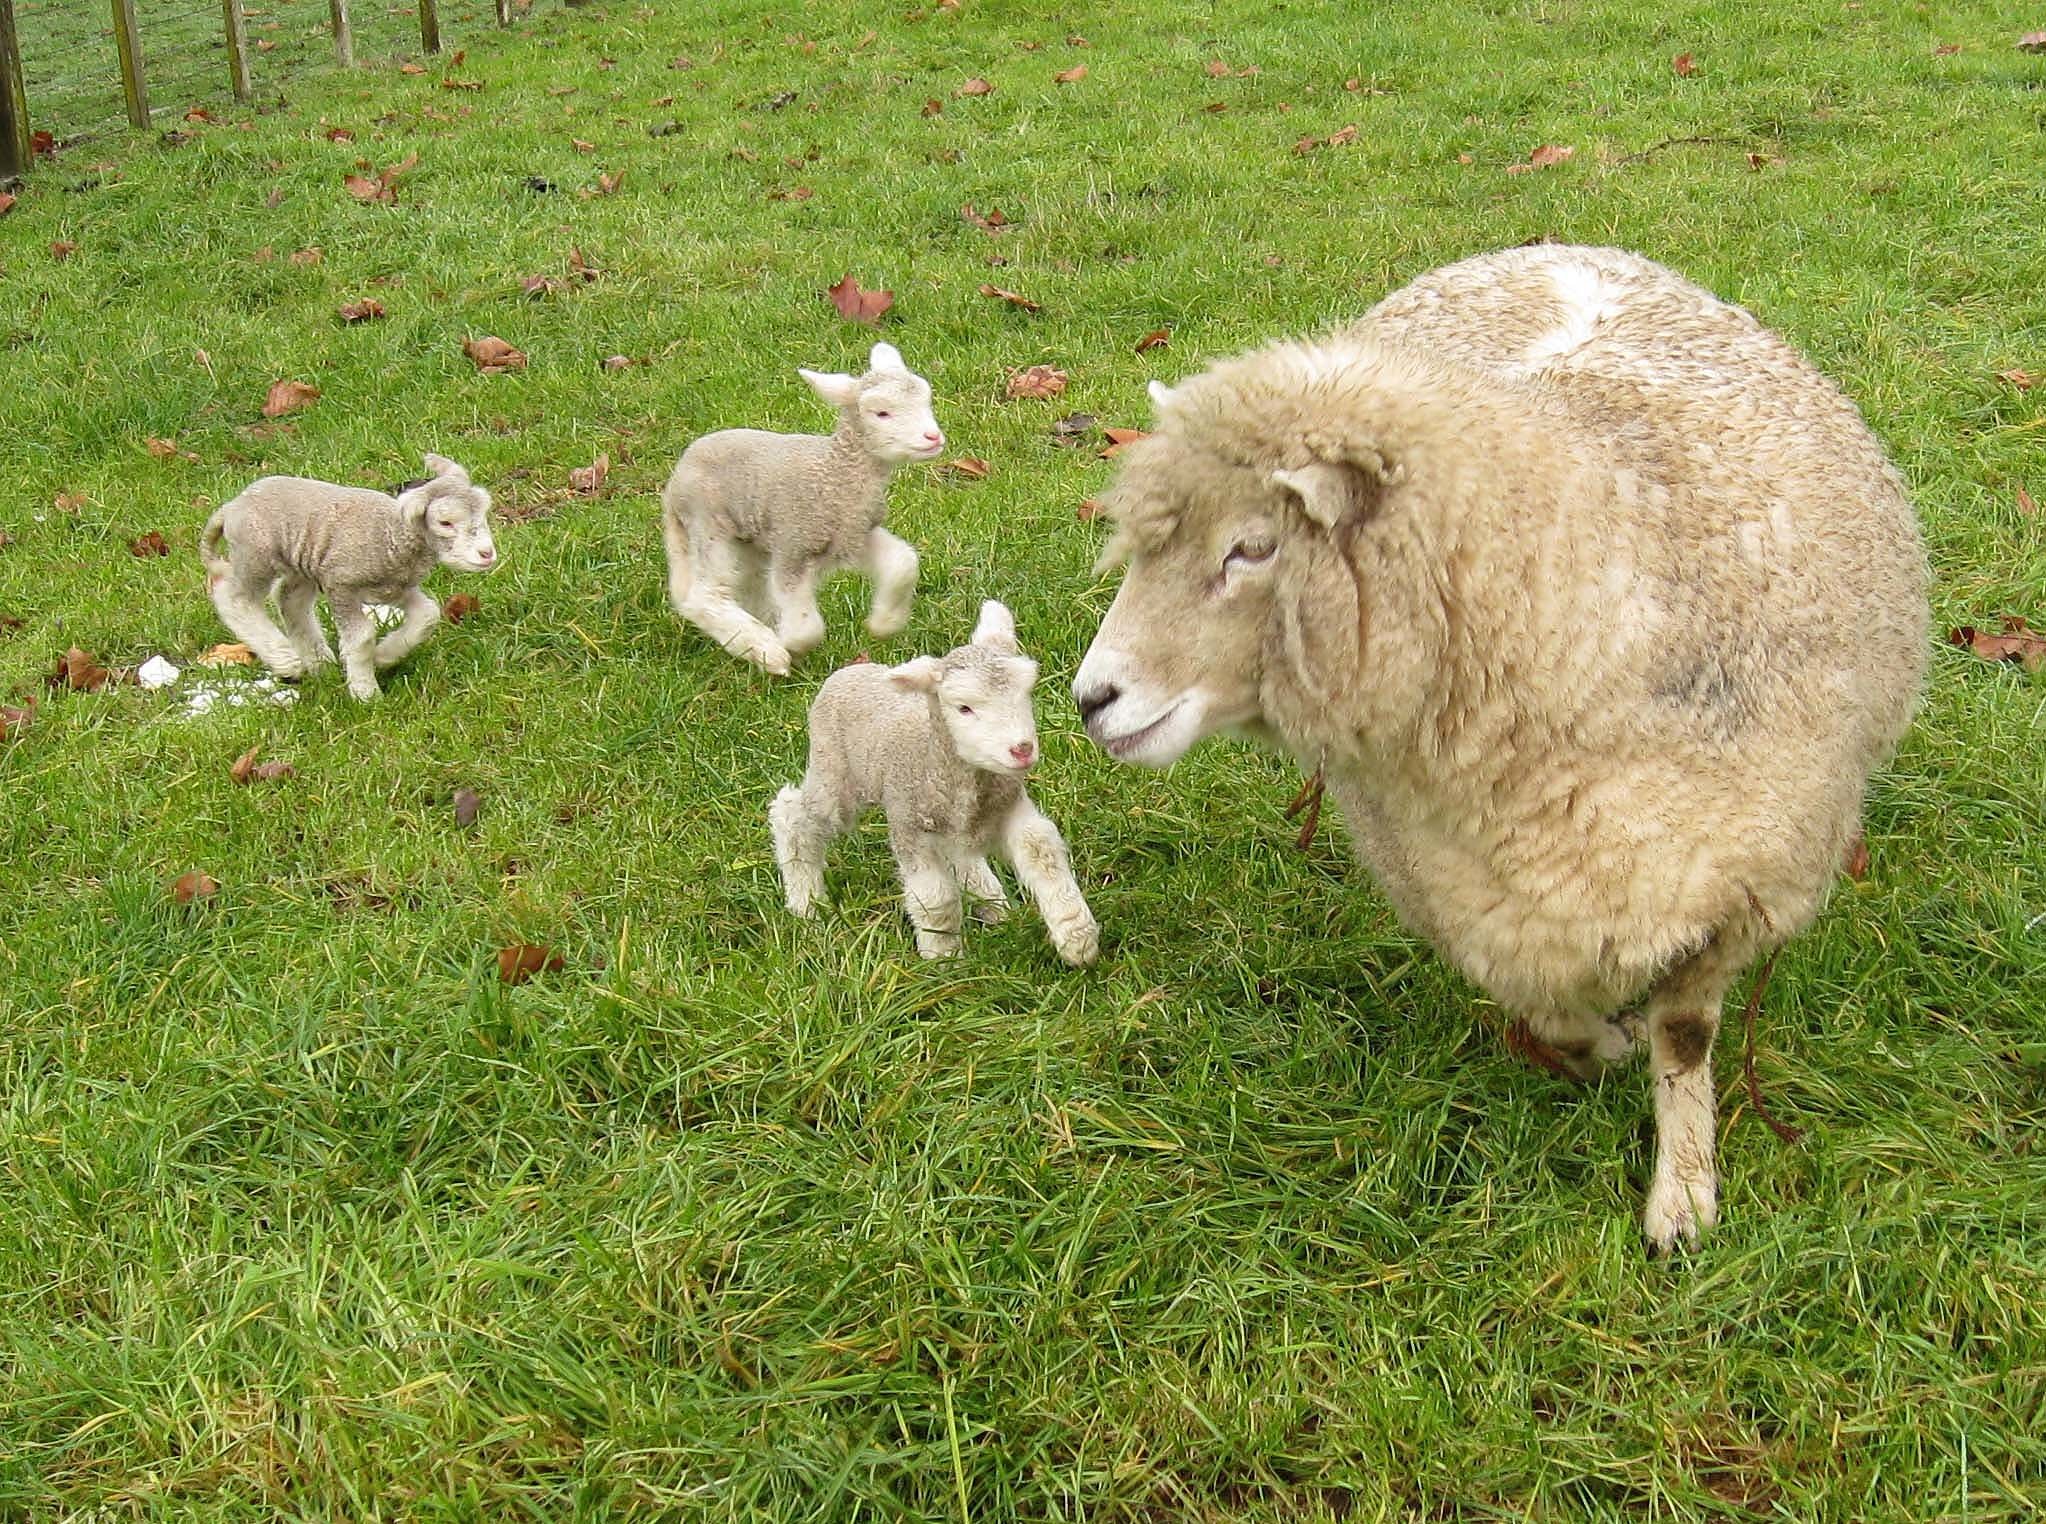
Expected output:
{"points": [[774, 658], [991, 912], [365, 692], [1678, 1212], [1079, 946], [881, 626], [937, 944]]}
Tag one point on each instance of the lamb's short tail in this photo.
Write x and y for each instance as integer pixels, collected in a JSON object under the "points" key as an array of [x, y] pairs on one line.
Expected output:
{"points": [[210, 540], [676, 533]]}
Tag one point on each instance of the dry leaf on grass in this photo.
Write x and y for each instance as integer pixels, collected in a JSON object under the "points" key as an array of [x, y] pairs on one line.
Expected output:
{"points": [[522, 960], [1036, 382], [857, 304], [467, 803], [2023, 380], [972, 467], [7, 200], [975, 86], [2017, 642], [993, 222], [289, 397], [306, 258], [1013, 298], [1070, 76], [71, 502], [165, 449], [492, 355], [588, 481], [366, 310], [1685, 65], [1117, 438], [1072, 428], [382, 186], [14, 719], [143, 546], [1157, 338], [227, 654], [2032, 42], [193, 885], [1217, 69], [459, 607], [1089, 509], [63, 249], [933, 107], [77, 670], [1854, 861], [1542, 157], [2026, 506]]}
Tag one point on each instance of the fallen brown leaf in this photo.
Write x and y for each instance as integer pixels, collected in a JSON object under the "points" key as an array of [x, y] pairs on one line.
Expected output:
{"points": [[7, 200], [1543, 157], [366, 310], [165, 449], [492, 355], [1157, 338], [194, 885], [2026, 506], [580, 268], [63, 249], [1854, 861], [227, 654], [1217, 69], [972, 467], [2023, 380], [340, 135], [1685, 65], [1036, 381], [588, 481], [856, 304], [1070, 76], [467, 803], [383, 186], [2031, 42], [617, 362], [522, 960], [289, 397], [993, 222], [1013, 298], [607, 183], [1089, 509], [975, 86], [15, 718], [459, 607], [1946, 50], [305, 258], [143, 546], [792, 193], [2017, 642], [1343, 136], [411, 68], [77, 670], [933, 107], [1117, 438], [1307, 144], [537, 286], [270, 772], [243, 765], [70, 502]]}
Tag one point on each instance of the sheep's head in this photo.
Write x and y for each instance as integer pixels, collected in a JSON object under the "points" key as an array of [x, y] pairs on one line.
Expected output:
{"points": [[888, 409], [1235, 521], [981, 692], [454, 514]]}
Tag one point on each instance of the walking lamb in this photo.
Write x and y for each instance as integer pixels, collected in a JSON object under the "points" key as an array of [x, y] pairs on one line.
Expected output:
{"points": [[296, 538], [1595, 603], [754, 521], [942, 744]]}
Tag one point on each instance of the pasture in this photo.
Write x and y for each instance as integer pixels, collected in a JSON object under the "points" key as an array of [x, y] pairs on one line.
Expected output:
{"points": [[306, 1213]]}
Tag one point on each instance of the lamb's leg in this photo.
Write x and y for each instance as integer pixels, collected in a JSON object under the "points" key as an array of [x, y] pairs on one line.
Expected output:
{"points": [[793, 587], [990, 900], [296, 600], [241, 610], [711, 606], [358, 632], [675, 535], [1034, 845], [930, 893], [1682, 1017], [892, 565], [804, 821], [421, 615]]}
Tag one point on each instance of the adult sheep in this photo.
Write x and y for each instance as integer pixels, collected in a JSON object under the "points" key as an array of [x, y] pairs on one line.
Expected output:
{"points": [[1596, 604]]}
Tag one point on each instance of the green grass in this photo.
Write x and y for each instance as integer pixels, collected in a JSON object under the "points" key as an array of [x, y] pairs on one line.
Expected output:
{"points": [[304, 1215]]}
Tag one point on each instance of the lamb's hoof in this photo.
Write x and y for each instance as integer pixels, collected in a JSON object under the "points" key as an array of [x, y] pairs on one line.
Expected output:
{"points": [[803, 903], [364, 692], [1678, 1212], [881, 626], [1079, 945], [771, 658], [991, 912], [937, 944]]}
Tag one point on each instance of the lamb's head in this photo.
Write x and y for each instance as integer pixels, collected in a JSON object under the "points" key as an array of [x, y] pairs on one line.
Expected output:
{"points": [[888, 410], [1236, 522], [981, 693], [454, 515]]}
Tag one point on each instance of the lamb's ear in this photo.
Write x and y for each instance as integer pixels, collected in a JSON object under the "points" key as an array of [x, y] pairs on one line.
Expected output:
{"points": [[920, 675], [836, 389], [1330, 491], [886, 356], [441, 466], [997, 628], [1161, 397], [414, 501]]}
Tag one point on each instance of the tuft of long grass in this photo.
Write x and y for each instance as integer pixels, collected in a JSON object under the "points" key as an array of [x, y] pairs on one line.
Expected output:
{"points": [[308, 1216]]}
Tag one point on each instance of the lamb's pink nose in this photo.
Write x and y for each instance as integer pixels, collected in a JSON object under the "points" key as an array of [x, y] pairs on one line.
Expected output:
{"points": [[486, 555], [1024, 754], [933, 437]]}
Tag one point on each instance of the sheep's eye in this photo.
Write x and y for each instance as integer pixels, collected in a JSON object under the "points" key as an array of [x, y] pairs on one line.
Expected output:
{"points": [[1251, 552], [966, 708], [881, 413]]}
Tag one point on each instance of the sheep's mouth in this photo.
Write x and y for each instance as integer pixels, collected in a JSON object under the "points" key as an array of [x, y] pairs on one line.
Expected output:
{"points": [[1124, 746]]}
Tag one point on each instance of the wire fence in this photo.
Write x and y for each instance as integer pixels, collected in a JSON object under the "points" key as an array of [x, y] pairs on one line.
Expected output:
{"points": [[79, 74]]}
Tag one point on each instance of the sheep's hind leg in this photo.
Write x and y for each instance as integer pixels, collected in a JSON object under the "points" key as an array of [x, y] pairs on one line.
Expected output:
{"points": [[1034, 845], [296, 601], [930, 894], [793, 588], [1682, 1018], [990, 900], [421, 615], [804, 823], [892, 565], [243, 613], [358, 632], [1572, 1046], [711, 605]]}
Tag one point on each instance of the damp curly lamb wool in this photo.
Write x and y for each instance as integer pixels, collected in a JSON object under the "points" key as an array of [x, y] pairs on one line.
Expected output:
{"points": [[1597, 603]]}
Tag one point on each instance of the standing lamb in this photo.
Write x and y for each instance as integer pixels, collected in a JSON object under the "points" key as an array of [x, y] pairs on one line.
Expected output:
{"points": [[942, 744], [1595, 603], [754, 521], [297, 538]]}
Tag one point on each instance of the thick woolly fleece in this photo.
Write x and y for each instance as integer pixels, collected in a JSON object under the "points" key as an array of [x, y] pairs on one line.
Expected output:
{"points": [[1598, 603]]}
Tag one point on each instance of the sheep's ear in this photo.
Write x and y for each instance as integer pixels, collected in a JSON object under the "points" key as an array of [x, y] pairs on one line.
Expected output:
{"points": [[886, 356], [1331, 491], [837, 390], [414, 501], [440, 465], [997, 628], [920, 675], [1161, 396]]}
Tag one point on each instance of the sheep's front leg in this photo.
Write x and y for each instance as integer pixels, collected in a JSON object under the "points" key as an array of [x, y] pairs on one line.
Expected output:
{"points": [[296, 600], [990, 900], [892, 565], [792, 585], [1034, 845], [242, 611], [358, 632], [1682, 1017], [930, 893], [421, 615], [711, 604]]}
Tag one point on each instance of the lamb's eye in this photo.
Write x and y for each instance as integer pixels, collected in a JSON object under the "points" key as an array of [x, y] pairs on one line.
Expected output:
{"points": [[966, 708], [881, 413], [1251, 552]]}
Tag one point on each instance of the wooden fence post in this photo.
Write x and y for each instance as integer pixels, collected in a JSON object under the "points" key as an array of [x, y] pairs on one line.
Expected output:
{"points": [[16, 146], [129, 41], [237, 49], [429, 26], [504, 12], [344, 35]]}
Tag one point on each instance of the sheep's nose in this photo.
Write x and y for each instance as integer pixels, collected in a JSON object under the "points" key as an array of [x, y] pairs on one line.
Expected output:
{"points": [[486, 555], [1095, 700], [933, 436], [1023, 753]]}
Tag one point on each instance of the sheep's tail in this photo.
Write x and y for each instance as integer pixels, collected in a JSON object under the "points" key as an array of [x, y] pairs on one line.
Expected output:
{"points": [[676, 534], [210, 540]]}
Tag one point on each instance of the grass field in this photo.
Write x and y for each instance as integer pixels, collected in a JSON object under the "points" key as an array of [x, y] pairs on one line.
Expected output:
{"points": [[304, 1215]]}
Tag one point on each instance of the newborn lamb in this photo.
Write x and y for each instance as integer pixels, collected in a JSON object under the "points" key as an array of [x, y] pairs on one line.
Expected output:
{"points": [[942, 744], [297, 538], [754, 521]]}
